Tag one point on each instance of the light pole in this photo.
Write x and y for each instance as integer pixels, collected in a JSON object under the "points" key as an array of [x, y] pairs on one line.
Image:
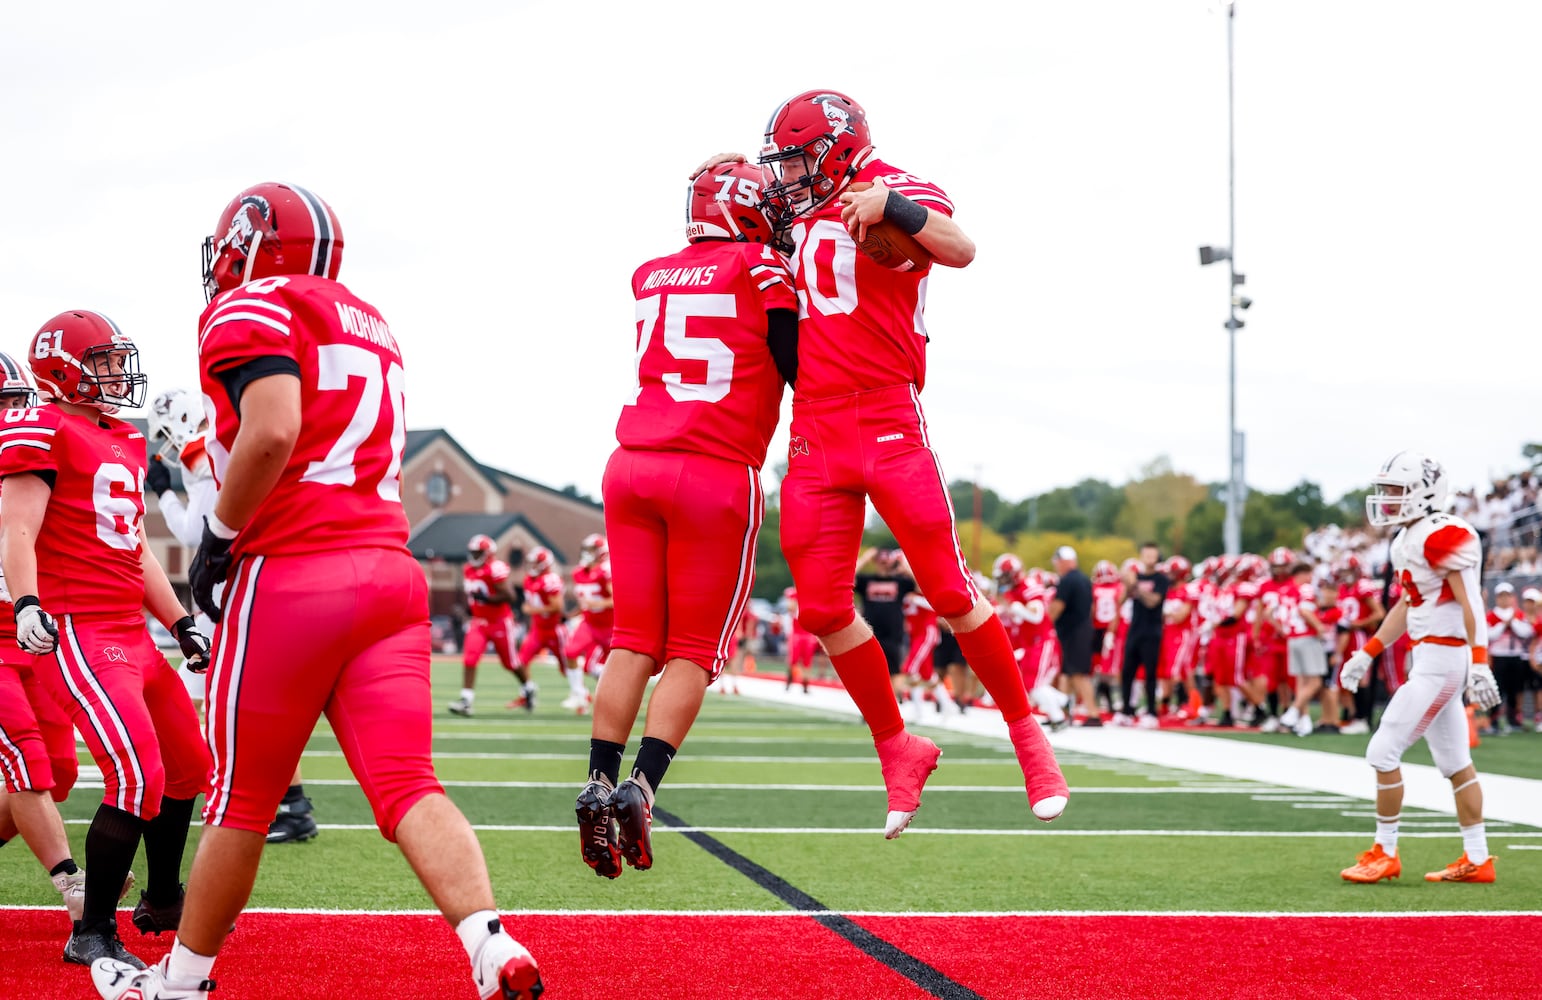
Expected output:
{"points": [[1236, 491]]}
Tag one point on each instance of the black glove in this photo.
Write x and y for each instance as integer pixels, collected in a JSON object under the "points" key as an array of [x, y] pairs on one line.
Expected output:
{"points": [[157, 477], [211, 564], [195, 646]]}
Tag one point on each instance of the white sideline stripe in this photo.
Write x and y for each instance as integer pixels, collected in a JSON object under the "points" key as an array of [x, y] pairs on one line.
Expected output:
{"points": [[754, 787], [1506, 797], [870, 831], [1005, 914]]}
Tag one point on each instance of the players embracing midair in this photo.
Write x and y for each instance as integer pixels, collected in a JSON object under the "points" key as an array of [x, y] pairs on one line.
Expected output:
{"points": [[1439, 561], [490, 597], [82, 574], [589, 643]]}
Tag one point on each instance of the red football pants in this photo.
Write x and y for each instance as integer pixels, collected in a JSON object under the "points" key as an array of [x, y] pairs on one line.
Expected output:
{"points": [[586, 640], [682, 530], [132, 710], [918, 662], [843, 451], [37, 742], [482, 632], [344, 633]]}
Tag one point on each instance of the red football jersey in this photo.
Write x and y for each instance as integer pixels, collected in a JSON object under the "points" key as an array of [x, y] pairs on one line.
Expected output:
{"points": [[491, 577], [543, 589], [88, 549], [593, 582], [342, 486], [862, 324], [1105, 604], [919, 614], [706, 381]]}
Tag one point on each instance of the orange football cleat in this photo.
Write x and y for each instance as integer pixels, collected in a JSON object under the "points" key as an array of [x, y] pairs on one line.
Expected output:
{"points": [[1462, 870], [1373, 866]]}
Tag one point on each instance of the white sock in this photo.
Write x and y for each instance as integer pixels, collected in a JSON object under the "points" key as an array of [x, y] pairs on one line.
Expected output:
{"points": [[1049, 702], [529, 686], [1386, 833], [185, 969], [576, 681], [940, 692], [918, 696], [474, 930], [467, 695], [1475, 843]]}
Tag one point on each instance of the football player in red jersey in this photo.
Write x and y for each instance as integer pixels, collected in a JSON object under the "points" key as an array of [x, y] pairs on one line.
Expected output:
{"points": [[490, 602], [858, 432], [548, 631], [76, 559], [920, 670], [37, 742], [305, 387], [590, 643], [716, 340], [801, 644]]}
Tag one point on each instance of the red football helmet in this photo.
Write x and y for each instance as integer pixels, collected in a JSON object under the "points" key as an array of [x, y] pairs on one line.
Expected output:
{"points": [[1349, 569], [728, 202], [1179, 568], [540, 560], [594, 549], [1131, 565], [17, 389], [82, 357], [815, 142], [1105, 572], [1282, 558], [1007, 569], [480, 549], [271, 229]]}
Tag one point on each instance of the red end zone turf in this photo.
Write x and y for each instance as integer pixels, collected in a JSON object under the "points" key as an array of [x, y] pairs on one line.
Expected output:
{"points": [[690, 957]]}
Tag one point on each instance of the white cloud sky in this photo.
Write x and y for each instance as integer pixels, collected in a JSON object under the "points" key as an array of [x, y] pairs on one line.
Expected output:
{"points": [[501, 169]]}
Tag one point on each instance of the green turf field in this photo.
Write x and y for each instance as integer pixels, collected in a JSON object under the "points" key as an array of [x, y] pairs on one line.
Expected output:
{"points": [[1516, 753], [799, 793]]}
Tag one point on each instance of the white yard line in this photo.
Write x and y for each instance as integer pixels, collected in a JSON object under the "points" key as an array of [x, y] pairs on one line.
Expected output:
{"points": [[1505, 797]]}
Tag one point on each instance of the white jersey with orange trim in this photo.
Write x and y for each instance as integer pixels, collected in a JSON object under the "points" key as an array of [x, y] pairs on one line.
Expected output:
{"points": [[185, 518], [1423, 554]]}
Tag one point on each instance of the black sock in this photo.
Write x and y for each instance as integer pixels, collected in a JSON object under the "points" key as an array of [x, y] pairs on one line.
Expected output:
{"points": [[165, 840], [1273, 702], [653, 757], [295, 794], [605, 758], [111, 843], [65, 867]]}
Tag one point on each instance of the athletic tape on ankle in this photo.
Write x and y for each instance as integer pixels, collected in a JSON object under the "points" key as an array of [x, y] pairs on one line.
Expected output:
{"points": [[1388, 819], [1469, 781], [1387, 788]]}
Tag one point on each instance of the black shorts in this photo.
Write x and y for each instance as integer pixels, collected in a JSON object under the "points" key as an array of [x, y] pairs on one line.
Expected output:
{"points": [[1076, 657], [947, 652], [894, 652]]}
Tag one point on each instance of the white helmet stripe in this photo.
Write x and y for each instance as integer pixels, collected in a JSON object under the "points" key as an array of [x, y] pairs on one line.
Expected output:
{"points": [[321, 224]]}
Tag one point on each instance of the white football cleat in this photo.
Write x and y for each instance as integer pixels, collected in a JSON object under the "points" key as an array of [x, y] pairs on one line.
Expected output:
{"points": [[1050, 807], [1303, 726], [503, 968], [116, 980], [896, 822]]}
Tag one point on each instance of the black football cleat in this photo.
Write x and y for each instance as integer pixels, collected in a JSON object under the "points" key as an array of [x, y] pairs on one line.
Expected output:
{"points": [[87, 944], [294, 823], [597, 827], [632, 805], [154, 918]]}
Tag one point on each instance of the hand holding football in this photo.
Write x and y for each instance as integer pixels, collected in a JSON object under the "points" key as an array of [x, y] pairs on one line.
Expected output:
{"points": [[886, 243]]}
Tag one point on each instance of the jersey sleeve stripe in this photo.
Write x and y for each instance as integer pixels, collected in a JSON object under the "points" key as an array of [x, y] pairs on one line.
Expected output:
{"points": [[39, 445], [763, 268], [14, 431], [775, 279], [258, 303], [254, 317]]}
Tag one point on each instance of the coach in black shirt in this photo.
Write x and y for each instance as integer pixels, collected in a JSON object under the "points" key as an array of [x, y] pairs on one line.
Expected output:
{"points": [[1146, 586], [1071, 610], [883, 580]]}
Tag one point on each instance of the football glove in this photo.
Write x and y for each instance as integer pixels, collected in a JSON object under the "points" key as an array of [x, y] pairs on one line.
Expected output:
{"points": [[1481, 689], [211, 564], [1354, 670], [195, 645], [36, 632], [157, 477]]}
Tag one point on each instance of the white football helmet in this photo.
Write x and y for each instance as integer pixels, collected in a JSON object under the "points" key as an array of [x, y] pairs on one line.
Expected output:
{"points": [[1420, 487], [176, 417]]}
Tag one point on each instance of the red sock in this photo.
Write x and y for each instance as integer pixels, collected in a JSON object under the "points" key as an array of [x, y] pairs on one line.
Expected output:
{"points": [[865, 672], [989, 653]]}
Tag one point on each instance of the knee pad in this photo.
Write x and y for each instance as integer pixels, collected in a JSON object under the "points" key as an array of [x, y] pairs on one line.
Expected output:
{"points": [[1383, 752], [825, 621]]}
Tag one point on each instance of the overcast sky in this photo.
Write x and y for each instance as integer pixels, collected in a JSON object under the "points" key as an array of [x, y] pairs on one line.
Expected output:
{"points": [[501, 169]]}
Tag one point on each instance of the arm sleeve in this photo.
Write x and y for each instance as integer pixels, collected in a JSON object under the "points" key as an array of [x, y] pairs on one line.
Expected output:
{"points": [[782, 338], [179, 519]]}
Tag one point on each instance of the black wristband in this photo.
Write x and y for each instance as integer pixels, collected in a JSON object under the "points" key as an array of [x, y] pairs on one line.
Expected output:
{"points": [[27, 601], [904, 213]]}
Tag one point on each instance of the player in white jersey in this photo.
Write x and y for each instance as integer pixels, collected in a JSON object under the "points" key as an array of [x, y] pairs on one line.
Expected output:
{"points": [[1438, 562], [179, 423]]}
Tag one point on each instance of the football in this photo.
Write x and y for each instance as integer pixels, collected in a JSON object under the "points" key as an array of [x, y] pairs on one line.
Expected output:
{"points": [[889, 245]]}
